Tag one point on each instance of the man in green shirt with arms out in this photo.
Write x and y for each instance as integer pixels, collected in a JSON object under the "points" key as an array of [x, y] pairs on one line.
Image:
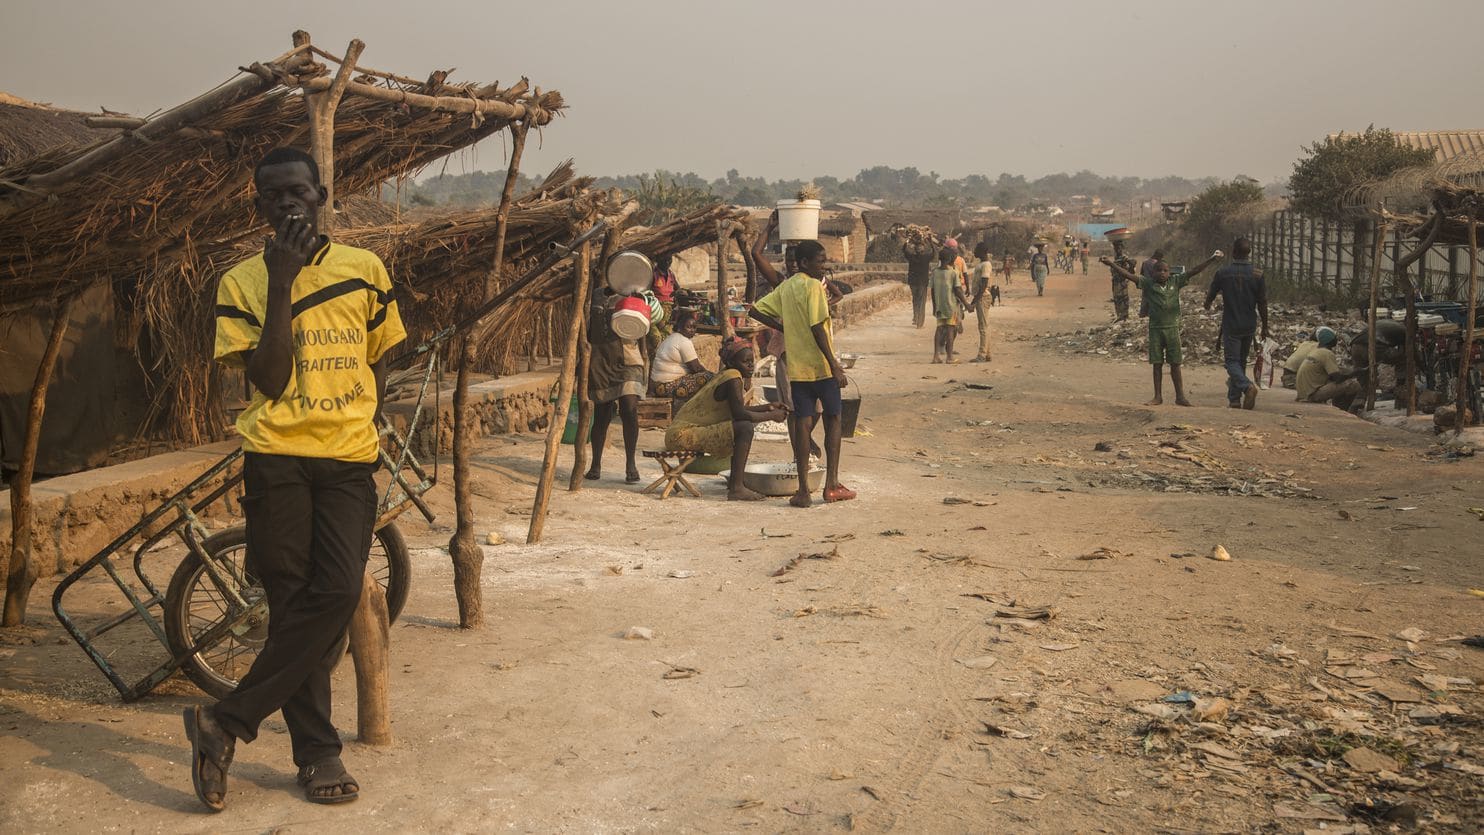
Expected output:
{"points": [[800, 308], [1162, 295]]}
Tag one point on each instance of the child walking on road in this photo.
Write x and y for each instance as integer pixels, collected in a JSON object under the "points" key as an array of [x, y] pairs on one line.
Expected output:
{"points": [[948, 306]]}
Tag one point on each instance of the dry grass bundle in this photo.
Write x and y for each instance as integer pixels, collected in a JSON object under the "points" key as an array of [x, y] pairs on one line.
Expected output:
{"points": [[695, 229], [916, 239]]}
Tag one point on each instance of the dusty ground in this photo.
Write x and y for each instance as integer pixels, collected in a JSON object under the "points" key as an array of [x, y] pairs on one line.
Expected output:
{"points": [[875, 690]]}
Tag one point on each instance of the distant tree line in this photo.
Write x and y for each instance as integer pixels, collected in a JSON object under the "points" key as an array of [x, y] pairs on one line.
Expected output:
{"points": [[896, 187]]}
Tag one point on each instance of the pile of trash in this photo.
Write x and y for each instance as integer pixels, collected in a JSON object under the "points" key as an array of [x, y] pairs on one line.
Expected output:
{"points": [[1366, 736], [1199, 331]]}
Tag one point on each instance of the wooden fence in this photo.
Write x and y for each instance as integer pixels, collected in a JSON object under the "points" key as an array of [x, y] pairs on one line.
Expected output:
{"points": [[1335, 256]]}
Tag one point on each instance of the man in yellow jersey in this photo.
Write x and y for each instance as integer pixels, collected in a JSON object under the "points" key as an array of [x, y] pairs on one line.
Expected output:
{"points": [[311, 322], [800, 308]]}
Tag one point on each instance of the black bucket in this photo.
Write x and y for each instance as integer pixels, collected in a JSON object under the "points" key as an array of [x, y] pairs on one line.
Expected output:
{"points": [[850, 412]]}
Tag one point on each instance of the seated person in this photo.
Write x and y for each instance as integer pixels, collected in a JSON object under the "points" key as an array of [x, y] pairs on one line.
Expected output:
{"points": [[716, 420], [1296, 359], [675, 370], [1320, 379]]}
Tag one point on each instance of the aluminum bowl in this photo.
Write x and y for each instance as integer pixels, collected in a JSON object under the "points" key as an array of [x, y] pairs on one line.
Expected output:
{"points": [[778, 479]]}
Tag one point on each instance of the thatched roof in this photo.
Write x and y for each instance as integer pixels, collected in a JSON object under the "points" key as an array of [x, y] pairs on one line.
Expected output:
{"points": [[839, 223], [28, 129], [142, 200], [941, 221]]}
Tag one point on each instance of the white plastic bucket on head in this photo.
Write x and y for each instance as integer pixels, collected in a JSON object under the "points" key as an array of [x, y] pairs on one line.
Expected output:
{"points": [[798, 220]]}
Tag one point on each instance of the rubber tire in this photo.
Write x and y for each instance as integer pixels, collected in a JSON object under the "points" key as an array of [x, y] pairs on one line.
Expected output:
{"points": [[177, 598]]}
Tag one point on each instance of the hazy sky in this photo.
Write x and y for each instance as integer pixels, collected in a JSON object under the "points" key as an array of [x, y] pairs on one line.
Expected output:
{"points": [[803, 88]]}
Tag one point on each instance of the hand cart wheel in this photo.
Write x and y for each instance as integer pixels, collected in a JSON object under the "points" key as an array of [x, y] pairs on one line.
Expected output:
{"points": [[195, 605]]}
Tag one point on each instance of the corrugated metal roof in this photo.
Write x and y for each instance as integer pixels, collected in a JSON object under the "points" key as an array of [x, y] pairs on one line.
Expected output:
{"points": [[1445, 144]]}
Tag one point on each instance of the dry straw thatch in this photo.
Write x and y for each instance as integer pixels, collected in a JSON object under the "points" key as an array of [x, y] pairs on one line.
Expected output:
{"points": [[182, 180], [163, 206], [28, 129], [1453, 188]]}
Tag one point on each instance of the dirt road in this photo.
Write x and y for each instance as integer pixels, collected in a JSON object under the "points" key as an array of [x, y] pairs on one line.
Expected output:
{"points": [[953, 664]]}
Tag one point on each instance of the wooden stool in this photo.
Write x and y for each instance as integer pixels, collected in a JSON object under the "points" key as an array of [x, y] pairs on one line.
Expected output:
{"points": [[674, 473]]}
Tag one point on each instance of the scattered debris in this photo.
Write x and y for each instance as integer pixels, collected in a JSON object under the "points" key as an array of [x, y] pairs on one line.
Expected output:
{"points": [[1059, 647], [974, 502], [1004, 731], [1027, 612], [1027, 793], [678, 672], [1309, 812], [892, 532], [681, 574], [834, 554], [982, 662], [1103, 554], [1411, 635], [1367, 761], [1220, 554], [1135, 690]]}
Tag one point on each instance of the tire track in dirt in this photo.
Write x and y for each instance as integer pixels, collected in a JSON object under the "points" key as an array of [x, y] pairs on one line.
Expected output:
{"points": [[898, 797]]}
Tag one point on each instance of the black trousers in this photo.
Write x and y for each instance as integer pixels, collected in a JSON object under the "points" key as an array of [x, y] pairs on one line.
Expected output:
{"points": [[919, 303], [309, 524]]}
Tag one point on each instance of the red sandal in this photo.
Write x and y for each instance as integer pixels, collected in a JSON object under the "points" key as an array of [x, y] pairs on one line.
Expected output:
{"points": [[838, 493]]}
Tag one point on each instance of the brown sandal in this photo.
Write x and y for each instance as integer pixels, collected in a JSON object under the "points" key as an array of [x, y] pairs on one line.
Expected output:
{"points": [[327, 773], [208, 750]]}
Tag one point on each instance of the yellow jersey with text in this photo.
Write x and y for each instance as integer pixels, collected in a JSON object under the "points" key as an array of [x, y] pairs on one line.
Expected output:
{"points": [[800, 303], [345, 319]]}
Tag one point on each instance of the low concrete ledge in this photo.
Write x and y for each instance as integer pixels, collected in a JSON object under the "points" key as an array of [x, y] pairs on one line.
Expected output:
{"points": [[76, 515]]}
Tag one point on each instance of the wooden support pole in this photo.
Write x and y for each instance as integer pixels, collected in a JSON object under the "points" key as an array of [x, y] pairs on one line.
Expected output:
{"points": [[21, 573], [466, 554], [1370, 391], [611, 240], [584, 405], [1403, 282], [1324, 252], [1468, 330], [723, 309], [745, 245], [498, 108], [322, 106], [565, 384], [370, 648]]}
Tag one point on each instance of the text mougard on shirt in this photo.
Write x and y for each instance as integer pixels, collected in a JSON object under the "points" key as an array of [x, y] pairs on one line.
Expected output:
{"points": [[329, 336]]}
